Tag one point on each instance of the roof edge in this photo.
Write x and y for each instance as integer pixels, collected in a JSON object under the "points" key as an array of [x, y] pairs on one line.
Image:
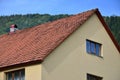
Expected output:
{"points": [[21, 65], [108, 30], [74, 29]]}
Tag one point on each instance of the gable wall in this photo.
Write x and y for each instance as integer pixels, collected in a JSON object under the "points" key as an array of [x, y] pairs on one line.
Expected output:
{"points": [[71, 62]]}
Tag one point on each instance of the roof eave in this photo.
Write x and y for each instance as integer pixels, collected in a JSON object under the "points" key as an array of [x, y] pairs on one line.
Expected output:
{"points": [[21, 65], [108, 30]]}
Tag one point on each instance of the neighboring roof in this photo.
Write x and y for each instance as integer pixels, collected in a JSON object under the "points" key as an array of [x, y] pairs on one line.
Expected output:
{"points": [[34, 44]]}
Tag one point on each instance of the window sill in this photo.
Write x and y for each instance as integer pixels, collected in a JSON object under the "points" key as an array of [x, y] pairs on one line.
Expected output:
{"points": [[93, 54]]}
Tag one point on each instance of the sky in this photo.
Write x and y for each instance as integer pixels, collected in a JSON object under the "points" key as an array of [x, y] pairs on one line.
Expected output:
{"points": [[54, 7]]}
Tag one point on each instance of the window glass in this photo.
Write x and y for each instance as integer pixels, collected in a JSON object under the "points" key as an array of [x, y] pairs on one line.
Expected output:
{"points": [[93, 77], [93, 48], [88, 46], [16, 75], [22, 75], [9, 76], [97, 49]]}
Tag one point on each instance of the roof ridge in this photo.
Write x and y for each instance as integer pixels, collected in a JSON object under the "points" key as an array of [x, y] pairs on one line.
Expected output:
{"points": [[18, 31]]}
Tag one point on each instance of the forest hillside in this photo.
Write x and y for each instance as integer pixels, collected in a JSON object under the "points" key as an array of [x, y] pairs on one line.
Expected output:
{"points": [[30, 20]]}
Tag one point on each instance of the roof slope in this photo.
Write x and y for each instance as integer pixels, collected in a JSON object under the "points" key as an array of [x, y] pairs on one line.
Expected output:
{"points": [[34, 44]]}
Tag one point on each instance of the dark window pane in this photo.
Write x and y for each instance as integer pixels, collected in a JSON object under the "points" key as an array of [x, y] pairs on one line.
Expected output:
{"points": [[16, 75], [92, 47], [97, 49], [92, 77], [9, 76], [22, 75], [88, 46]]}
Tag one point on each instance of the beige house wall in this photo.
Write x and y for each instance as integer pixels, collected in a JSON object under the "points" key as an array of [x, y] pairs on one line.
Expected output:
{"points": [[71, 62], [31, 72], [2, 76]]}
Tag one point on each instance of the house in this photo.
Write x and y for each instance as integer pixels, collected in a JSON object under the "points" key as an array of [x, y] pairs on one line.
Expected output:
{"points": [[79, 47]]}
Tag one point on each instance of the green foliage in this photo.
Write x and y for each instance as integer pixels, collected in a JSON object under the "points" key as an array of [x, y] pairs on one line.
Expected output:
{"points": [[26, 21], [30, 20], [114, 24]]}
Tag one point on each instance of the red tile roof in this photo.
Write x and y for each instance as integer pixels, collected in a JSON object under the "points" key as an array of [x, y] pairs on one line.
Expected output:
{"points": [[34, 44]]}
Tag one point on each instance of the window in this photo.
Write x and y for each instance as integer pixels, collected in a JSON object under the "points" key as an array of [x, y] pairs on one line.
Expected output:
{"points": [[16, 75], [93, 77], [93, 47]]}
